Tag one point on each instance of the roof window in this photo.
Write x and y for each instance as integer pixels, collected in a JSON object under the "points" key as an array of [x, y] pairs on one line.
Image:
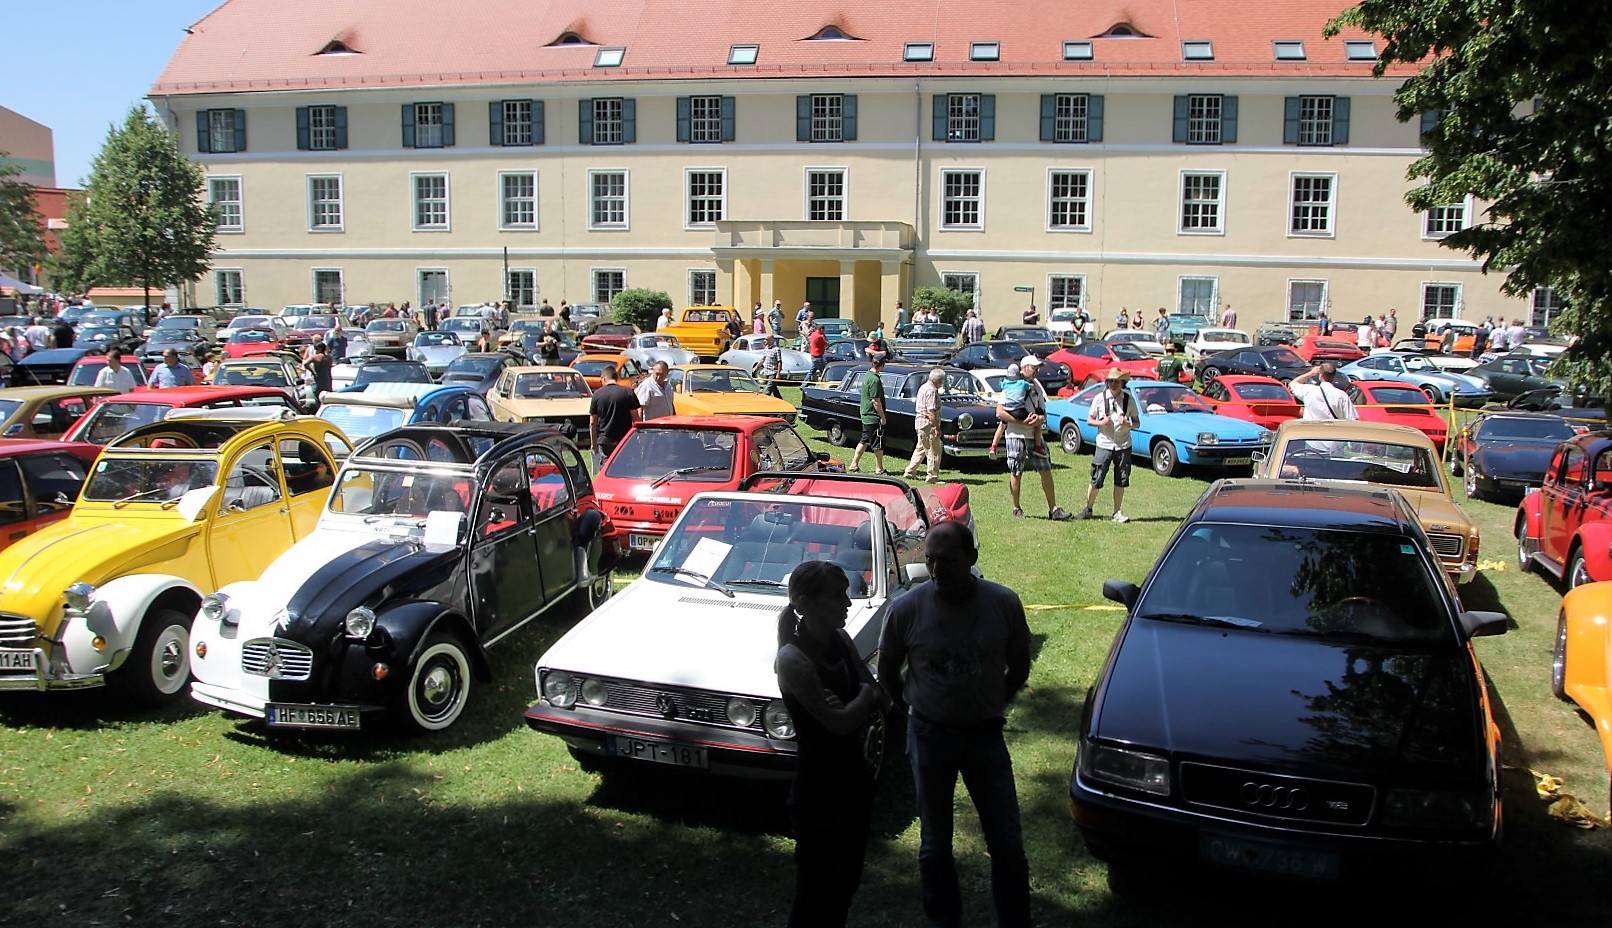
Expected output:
{"points": [[1077, 51], [984, 51], [1360, 49], [1198, 50], [918, 51], [1288, 50], [609, 57], [743, 54]]}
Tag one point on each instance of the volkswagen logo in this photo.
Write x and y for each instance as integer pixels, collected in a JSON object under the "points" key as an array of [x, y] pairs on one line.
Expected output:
{"points": [[663, 702], [1275, 798]]}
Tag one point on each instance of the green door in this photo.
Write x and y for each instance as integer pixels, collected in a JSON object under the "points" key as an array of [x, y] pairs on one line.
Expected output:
{"points": [[824, 295]]}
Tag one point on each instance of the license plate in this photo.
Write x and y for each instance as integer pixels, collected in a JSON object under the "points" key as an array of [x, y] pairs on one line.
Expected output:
{"points": [[18, 660], [1268, 858], [678, 755], [1232, 462], [639, 542], [291, 716]]}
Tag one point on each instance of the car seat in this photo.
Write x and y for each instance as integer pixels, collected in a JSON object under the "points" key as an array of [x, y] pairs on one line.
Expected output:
{"points": [[857, 558]]}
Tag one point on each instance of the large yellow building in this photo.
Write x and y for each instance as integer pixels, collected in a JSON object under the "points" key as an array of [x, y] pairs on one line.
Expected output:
{"points": [[1190, 154]]}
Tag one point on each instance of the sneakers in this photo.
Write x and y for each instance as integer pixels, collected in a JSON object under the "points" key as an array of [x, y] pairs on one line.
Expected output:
{"points": [[1121, 517], [1018, 513], [906, 475], [1059, 514], [1084, 513]]}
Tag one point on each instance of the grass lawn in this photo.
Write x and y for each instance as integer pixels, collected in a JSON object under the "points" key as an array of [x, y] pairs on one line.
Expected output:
{"points": [[187, 817]]}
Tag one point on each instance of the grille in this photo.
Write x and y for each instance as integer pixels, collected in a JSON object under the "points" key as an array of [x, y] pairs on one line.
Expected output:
{"points": [[1257, 795], [276, 659], [17, 632], [1446, 545], [687, 705]]}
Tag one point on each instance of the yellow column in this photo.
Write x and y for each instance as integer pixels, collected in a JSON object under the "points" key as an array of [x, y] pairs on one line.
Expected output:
{"points": [[768, 267], [732, 281], [848, 305], [890, 289]]}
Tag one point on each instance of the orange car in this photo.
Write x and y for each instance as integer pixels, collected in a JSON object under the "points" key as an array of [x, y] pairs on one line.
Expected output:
{"points": [[1582, 669], [598, 367], [1451, 336]]}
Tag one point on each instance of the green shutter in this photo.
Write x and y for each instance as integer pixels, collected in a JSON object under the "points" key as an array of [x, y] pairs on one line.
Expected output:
{"points": [[240, 130], [537, 122], [848, 117], [1183, 108], [629, 121], [1340, 120], [585, 122], [1094, 118], [341, 127], [408, 125], [1291, 107], [1049, 117], [1228, 119], [304, 133], [204, 133], [685, 118], [495, 122], [938, 132], [447, 125], [729, 122], [987, 117], [803, 117]]}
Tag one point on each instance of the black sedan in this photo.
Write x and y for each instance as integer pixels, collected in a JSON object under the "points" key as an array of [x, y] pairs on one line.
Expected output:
{"points": [[1026, 334], [1515, 374], [1052, 375], [1504, 454], [1580, 405], [187, 343], [856, 349], [478, 370], [1278, 362], [531, 348], [967, 421], [1328, 722], [926, 342]]}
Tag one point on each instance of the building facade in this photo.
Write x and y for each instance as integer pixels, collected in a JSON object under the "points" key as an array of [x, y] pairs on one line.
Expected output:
{"points": [[1156, 153]]}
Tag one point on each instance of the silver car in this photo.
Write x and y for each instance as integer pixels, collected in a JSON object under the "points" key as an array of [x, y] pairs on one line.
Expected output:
{"points": [[746, 352], [436, 350], [648, 347], [1415, 369]]}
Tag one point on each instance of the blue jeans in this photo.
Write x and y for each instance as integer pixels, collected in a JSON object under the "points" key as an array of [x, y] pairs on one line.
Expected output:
{"points": [[939, 753]]}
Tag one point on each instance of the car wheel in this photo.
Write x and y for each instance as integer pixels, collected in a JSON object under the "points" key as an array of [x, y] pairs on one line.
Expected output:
{"points": [[1210, 373], [596, 593], [157, 670], [1165, 462], [439, 685], [1433, 394], [837, 435], [876, 744], [1578, 571], [1069, 437], [1525, 560], [1558, 664], [1455, 464]]}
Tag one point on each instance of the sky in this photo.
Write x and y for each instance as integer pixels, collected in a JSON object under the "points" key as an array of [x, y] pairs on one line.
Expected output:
{"points": [[77, 66]]}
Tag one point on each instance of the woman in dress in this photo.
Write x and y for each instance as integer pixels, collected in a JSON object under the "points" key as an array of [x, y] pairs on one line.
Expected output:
{"points": [[831, 696]]}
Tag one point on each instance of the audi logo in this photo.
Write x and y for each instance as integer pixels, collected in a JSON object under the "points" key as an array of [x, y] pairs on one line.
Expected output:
{"points": [[1267, 796]]}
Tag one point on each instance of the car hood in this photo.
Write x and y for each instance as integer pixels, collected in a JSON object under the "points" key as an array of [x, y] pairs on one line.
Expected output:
{"points": [[36, 570], [1192, 423], [682, 635], [555, 408], [1436, 511], [1288, 702], [1514, 459], [739, 404], [439, 352]]}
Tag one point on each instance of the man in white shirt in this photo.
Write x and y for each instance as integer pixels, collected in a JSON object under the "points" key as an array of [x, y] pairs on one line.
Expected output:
{"points": [[926, 423], [115, 375], [1114, 414], [665, 319], [654, 395], [1324, 394], [39, 335], [1366, 336]]}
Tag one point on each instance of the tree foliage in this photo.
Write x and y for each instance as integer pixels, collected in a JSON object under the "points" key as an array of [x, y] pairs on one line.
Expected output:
{"points": [[640, 307], [950, 305], [1522, 89], [22, 237], [142, 220]]}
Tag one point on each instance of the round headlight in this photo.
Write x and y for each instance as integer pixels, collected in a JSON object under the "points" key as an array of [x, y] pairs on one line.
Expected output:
{"points": [[560, 690], [741, 712], [595, 693], [360, 622], [777, 721], [965, 422], [78, 596], [214, 606]]}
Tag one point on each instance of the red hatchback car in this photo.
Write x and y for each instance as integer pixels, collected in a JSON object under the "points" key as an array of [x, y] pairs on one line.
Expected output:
{"points": [[1264, 401], [1090, 362], [39, 482], [1399, 404], [118, 414], [661, 463]]}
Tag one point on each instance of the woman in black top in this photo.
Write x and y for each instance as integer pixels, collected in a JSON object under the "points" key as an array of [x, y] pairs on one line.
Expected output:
{"points": [[831, 696]]}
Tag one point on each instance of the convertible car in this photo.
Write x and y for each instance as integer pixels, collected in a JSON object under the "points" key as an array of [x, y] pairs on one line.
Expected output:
{"points": [[649, 347], [39, 481], [438, 542], [967, 423], [1177, 428]]}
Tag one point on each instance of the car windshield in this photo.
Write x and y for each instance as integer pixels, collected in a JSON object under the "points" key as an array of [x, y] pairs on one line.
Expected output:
{"points": [[521, 325], [1398, 395], [111, 419], [432, 339], [385, 325], [1028, 335], [1065, 315], [993, 383], [550, 385], [1125, 351], [605, 370], [660, 455], [479, 367], [1346, 586], [412, 494], [148, 479], [720, 381], [1269, 392], [102, 318], [242, 322], [932, 330], [391, 373], [360, 422], [457, 324], [1362, 461], [1224, 335], [1170, 399], [315, 323], [1415, 362], [1005, 351], [1516, 428], [612, 328], [658, 341], [1285, 357], [251, 337], [179, 322], [727, 545], [251, 375]]}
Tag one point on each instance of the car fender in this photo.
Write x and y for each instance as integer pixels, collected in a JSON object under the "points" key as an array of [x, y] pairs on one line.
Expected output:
{"points": [[1529, 514], [115, 614], [1595, 539], [409, 625], [1586, 610]]}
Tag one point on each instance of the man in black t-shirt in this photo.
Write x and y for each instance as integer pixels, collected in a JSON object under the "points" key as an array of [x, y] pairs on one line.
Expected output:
{"points": [[611, 413], [319, 366]]}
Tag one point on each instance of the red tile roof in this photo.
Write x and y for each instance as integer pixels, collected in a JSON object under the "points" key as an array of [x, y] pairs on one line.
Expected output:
{"points": [[248, 45]]}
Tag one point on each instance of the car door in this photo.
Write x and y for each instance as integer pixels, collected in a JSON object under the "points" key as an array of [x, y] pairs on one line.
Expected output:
{"points": [[498, 396], [309, 475], [506, 578], [252, 524], [1564, 507], [554, 518], [15, 515], [52, 480]]}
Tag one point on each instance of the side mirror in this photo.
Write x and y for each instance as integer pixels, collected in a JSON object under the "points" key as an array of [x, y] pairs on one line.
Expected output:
{"points": [[917, 573], [1123, 592], [1258, 457], [1484, 624]]}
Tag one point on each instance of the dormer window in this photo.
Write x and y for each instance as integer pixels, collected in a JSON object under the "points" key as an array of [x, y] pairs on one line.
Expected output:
{"points": [[609, 57], [918, 51], [337, 47], [1198, 50], [984, 51], [570, 38], [1077, 51], [743, 54], [1289, 50], [1123, 30], [832, 33]]}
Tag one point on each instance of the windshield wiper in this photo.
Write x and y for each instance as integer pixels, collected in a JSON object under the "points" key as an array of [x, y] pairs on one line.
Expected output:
{"points": [[120, 503], [1193, 618], [685, 572], [757, 581], [683, 470]]}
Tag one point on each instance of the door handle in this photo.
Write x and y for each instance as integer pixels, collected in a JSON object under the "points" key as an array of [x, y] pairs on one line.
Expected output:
{"points": [[284, 511]]}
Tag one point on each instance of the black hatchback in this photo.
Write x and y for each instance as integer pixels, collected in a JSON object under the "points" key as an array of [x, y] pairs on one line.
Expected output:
{"points": [[1326, 721]]}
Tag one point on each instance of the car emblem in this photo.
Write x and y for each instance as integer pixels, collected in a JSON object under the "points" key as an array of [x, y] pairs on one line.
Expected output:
{"points": [[1269, 796], [663, 702], [273, 664]]}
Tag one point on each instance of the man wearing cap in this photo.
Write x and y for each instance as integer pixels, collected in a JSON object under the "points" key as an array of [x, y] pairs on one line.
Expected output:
{"points": [[1024, 449], [873, 418], [1113, 412], [1324, 393]]}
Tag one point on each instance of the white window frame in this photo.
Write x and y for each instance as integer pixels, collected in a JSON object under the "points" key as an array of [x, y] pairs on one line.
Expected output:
{"points": [[1053, 304], [1203, 129], [688, 198], [506, 107], [1071, 128], [504, 200], [828, 127], [1326, 289], [940, 192], [1052, 200], [1315, 130], [973, 293], [593, 280], [313, 282], [961, 125], [414, 202], [1214, 293], [1181, 203], [419, 283], [221, 124], [1330, 205], [705, 128], [1429, 235], [844, 197], [1552, 305], [1455, 311], [616, 121], [239, 201], [218, 290], [421, 124], [509, 293], [693, 296], [322, 137], [341, 203], [626, 202]]}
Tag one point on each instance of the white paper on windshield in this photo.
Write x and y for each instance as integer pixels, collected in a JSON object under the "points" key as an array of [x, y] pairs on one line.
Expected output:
{"points": [[707, 556], [194, 501], [442, 527]]}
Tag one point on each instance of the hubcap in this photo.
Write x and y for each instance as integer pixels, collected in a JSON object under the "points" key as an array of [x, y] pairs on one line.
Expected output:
{"points": [[169, 661], [1581, 573], [1558, 664], [436, 685]]}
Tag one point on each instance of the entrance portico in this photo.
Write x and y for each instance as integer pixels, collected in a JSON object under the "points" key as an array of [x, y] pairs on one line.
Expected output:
{"points": [[853, 270]]}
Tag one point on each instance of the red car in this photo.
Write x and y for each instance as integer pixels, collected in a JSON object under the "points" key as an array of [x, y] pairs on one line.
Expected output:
{"points": [[244, 343], [1315, 348], [118, 414], [1399, 404], [39, 482], [662, 462], [1264, 401], [1089, 362], [607, 335], [1566, 528], [87, 368]]}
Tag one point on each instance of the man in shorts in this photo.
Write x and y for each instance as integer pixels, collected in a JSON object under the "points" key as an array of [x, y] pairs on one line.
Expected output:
{"points": [[1023, 440], [1114, 414], [873, 419]]}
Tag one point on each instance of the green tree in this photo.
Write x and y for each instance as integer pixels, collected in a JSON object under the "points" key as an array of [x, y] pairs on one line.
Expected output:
{"points": [[640, 307], [142, 221], [1516, 92], [22, 236], [950, 305]]}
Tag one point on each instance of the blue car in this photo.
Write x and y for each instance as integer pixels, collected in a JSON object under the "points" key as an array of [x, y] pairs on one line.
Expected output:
{"points": [[367, 411], [1415, 369], [1177, 428]]}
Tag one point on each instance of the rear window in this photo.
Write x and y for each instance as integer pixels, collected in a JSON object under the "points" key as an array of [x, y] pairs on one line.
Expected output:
{"points": [[1408, 395], [1267, 392], [696, 455], [1502, 428], [109, 420], [361, 422]]}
